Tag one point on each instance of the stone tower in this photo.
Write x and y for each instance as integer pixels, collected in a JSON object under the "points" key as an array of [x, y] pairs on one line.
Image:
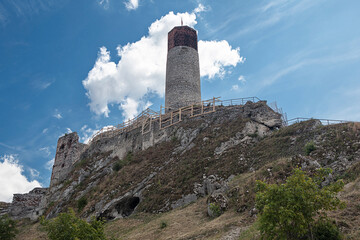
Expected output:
{"points": [[67, 153], [182, 69]]}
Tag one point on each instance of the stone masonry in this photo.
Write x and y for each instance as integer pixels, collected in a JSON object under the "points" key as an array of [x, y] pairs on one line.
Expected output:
{"points": [[67, 152], [182, 69]]}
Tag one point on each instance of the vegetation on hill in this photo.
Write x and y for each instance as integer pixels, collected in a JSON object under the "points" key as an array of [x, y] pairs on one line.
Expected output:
{"points": [[270, 159], [289, 210]]}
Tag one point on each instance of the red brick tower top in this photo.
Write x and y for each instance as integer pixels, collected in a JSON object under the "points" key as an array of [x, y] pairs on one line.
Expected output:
{"points": [[182, 36]]}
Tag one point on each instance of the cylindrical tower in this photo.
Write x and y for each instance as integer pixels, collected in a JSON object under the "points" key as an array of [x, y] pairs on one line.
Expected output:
{"points": [[182, 69]]}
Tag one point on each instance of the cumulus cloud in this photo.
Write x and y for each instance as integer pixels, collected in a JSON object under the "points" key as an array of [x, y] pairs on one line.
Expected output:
{"points": [[132, 4], [12, 179], [141, 69], [215, 56]]}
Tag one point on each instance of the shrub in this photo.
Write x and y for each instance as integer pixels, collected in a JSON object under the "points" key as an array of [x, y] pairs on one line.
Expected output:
{"points": [[287, 211], [215, 209], [68, 226], [163, 224], [326, 230], [81, 203], [119, 164], [309, 147], [8, 229]]}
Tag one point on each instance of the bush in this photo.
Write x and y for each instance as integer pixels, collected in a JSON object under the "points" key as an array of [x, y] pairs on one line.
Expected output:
{"points": [[8, 229], [163, 224], [215, 209], [81, 203], [119, 164], [326, 230], [287, 211], [68, 226], [309, 147]]}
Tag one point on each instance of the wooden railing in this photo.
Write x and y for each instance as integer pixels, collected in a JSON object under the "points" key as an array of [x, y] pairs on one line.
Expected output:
{"points": [[168, 118]]}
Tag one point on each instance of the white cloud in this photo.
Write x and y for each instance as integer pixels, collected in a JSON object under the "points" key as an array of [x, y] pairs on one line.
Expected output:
{"points": [[34, 173], [42, 85], [200, 8], [12, 179], [235, 87], [68, 130], [104, 3], [88, 133], [141, 69], [57, 114], [49, 164], [132, 4], [45, 130], [242, 79], [215, 56], [45, 150]]}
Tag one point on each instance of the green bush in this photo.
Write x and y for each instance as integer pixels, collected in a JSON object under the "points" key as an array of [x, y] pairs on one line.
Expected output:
{"points": [[68, 226], [8, 229], [81, 203], [309, 147], [215, 208], [326, 230], [287, 211], [163, 224], [119, 164]]}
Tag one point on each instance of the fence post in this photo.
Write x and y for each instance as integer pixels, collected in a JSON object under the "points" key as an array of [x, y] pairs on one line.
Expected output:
{"points": [[160, 116], [214, 104]]}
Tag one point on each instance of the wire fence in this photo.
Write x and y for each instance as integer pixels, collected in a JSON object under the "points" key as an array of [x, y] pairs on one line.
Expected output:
{"points": [[323, 121]]}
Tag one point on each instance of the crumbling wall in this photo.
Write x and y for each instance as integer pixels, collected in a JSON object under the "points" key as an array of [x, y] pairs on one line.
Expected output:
{"points": [[26, 205], [67, 153]]}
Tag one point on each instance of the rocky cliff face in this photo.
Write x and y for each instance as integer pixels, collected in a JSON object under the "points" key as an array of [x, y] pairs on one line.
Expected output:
{"points": [[121, 173]]}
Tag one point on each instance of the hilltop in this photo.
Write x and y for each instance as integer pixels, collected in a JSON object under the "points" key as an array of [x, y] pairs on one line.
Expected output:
{"points": [[171, 176]]}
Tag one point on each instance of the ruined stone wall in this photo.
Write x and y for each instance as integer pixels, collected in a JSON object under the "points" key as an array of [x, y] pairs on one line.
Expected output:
{"points": [[182, 77], [67, 153], [25, 205]]}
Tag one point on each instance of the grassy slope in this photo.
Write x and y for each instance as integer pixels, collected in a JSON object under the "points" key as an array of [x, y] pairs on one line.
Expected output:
{"points": [[274, 152]]}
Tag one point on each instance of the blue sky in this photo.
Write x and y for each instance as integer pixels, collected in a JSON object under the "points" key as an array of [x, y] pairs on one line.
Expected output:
{"points": [[82, 65]]}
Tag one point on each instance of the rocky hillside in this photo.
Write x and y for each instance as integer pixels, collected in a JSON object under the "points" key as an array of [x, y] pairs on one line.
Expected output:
{"points": [[144, 180]]}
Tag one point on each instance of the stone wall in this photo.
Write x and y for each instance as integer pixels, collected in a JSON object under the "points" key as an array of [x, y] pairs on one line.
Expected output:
{"points": [[26, 205], [67, 153], [182, 77]]}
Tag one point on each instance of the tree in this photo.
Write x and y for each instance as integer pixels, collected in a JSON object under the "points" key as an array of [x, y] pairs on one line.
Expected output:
{"points": [[68, 226], [7, 228], [288, 211]]}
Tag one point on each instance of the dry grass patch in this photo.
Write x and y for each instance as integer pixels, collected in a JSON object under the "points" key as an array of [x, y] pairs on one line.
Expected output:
{"points": [[190, 222]]}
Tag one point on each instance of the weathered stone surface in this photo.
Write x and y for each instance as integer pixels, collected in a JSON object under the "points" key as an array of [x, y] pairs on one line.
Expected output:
{"points": [[182, 78], [67, 153], [217, 203], [26, 205]]}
